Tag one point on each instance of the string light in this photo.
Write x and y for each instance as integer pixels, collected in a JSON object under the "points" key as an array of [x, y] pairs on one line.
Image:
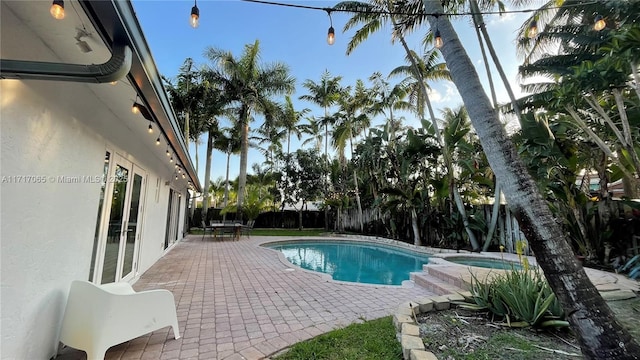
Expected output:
{"points": [[385, 12], [195, 15], [158, 141], [438, 39], [57, 9], [150, 129], [135, 108], [599, 23], [331, 34], [168, 153], [533, 29]]}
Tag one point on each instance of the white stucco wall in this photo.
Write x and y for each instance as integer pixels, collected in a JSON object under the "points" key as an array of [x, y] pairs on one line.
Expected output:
{"points": [[48, 130], [47, 226]]}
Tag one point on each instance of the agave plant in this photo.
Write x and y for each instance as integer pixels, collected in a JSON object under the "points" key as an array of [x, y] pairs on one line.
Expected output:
{"points": [[521, 298]]}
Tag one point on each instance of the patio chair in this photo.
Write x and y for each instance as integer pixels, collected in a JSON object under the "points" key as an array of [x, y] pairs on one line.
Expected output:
{"points": [[246, 229], [204, 229], [100, 316]]}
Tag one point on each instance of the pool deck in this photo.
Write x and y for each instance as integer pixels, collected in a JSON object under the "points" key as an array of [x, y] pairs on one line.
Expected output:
{"points": [[238, 300]]}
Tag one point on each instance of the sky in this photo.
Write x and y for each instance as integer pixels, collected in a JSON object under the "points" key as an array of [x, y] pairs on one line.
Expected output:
{"points": [[297, 37]]}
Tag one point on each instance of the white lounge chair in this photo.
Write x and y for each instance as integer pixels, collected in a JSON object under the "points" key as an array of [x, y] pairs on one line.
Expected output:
{"points": [[100, 316]]}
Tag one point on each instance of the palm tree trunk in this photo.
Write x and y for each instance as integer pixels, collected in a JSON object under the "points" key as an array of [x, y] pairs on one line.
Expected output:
{"points": [[494, 216], [357, 190], [496, 59], [415, 227], [244, 152], [186, 128], [207, 174], [599, 333], [226, 186]]}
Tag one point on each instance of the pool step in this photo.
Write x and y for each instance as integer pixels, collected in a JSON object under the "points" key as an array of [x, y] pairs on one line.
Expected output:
{"points": [[434, 284], [445, 274]]}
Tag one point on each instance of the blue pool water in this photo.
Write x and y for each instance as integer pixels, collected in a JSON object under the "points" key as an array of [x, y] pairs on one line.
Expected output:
{"points": [[485, 263], [353, 261]]}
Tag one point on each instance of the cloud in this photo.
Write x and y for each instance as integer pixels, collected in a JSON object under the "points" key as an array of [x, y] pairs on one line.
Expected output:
{"points": [[434, 95]]}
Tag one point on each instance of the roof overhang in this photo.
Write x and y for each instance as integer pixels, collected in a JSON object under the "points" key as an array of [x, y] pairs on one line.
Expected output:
{"points": [[115, 23]]}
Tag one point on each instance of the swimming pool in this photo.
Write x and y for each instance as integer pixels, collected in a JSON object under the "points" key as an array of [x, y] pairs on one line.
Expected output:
{"points": [[484, 262], [354, 261]]}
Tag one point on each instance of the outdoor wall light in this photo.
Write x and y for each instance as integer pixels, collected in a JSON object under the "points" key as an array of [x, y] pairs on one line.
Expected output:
{"points": [[83, 45], [331, 34], [195, 15], [438, 39], [533, 29], [57, 9], [599, 23]]}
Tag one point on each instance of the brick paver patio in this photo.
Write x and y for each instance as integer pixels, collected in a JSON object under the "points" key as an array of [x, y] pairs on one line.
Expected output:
{"points": [[237, 300]]}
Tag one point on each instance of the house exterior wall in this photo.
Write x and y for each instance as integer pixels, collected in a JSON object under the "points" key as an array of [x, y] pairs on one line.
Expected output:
{"points": [[50, 132]]}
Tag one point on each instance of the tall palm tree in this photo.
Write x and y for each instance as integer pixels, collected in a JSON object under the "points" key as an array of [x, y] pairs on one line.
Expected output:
{"points": [[324, 94], [351, 120], [252, 85], [600, 335]]}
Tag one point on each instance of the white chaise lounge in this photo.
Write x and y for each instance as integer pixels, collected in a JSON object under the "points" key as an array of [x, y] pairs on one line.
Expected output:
{"points": [[100, 316]]}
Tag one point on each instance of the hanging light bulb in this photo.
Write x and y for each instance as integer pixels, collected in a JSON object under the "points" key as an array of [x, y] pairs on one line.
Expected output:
{"points": [[599, 23], [135, 108], [168, 153], [533, 29], [183, 176], [438, 39], [158, 141], [150, 129], [195, 15], [176, 176], [171, 160], [331, 34], [57, 9]]}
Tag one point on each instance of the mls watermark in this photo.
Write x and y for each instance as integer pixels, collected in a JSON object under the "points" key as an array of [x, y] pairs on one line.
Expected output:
{"points": [[61, 179]]}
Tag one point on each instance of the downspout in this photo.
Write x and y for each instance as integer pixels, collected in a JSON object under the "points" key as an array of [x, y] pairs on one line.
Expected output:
{"points": [[115, 68]]}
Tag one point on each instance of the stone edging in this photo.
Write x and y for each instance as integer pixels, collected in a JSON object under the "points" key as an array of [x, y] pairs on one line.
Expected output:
{"points": [[408, 332]]}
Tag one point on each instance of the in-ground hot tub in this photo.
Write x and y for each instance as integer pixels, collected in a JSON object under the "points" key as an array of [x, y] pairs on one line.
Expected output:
{"points": [[484, 262]]}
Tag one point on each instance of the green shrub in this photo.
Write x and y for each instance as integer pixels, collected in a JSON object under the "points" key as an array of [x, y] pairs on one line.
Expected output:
{"points": [[520, 297]]}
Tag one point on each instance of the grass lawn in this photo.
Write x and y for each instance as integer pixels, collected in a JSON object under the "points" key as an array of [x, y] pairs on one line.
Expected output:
{"points": [[371, 340], [275, 232]]}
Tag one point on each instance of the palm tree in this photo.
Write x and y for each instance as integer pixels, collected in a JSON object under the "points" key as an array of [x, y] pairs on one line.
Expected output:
{"points": [[351, 120], [324, 94], [373, 16], [185, 95], [289, 121], [252, 85], [600, 335], [314, 130]]}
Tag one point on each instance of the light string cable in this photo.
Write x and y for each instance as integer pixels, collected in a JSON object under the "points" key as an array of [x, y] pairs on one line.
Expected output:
{"points": [[384, 12]]}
